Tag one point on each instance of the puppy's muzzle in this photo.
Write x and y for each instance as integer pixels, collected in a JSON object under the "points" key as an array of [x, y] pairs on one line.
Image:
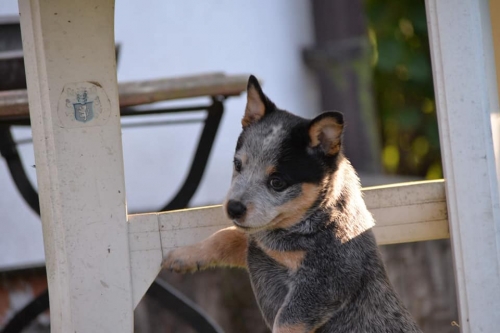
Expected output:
{"points": [[235, 209]]}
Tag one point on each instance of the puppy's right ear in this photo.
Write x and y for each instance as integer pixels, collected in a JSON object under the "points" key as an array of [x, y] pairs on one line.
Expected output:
{"points": [[325, 132], [258, 105]]}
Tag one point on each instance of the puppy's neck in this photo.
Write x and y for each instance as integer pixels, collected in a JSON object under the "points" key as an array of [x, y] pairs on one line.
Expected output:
{"points": [[343, 200], [340, 207]]}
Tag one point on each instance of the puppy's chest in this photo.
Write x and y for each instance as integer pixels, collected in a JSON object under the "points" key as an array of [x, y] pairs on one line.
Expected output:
{"points": [[271, 274], [264, 264]]}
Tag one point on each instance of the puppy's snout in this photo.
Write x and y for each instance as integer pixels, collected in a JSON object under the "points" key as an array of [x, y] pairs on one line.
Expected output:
{"points": [[235, 209]]}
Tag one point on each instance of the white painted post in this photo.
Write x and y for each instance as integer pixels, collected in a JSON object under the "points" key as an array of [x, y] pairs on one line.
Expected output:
{"points": [[71, 74], [462, 51]]}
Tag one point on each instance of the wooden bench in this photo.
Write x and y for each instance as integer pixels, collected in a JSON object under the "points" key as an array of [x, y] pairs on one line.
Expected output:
{"points": [[14, 103]]}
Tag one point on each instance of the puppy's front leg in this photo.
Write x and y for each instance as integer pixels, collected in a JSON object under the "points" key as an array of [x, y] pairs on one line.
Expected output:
{"points": [[227, 247], [306, 308], [299, 325]]}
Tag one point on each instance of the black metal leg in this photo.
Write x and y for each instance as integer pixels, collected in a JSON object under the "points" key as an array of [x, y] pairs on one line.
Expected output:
{"points": [[160, 290], [188, 188], [182, 307], [207, 138], [11, 155], [24, 317]]}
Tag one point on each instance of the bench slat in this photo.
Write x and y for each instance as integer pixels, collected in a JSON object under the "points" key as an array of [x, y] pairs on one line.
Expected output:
{"points": [[14, 103]]}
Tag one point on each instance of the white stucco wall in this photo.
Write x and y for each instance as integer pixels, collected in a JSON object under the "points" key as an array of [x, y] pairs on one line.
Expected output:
{"points": [[173, 38]]}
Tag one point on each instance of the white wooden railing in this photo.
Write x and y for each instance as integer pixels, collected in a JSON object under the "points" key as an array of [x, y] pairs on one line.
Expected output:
{"points": [[404, 213]]}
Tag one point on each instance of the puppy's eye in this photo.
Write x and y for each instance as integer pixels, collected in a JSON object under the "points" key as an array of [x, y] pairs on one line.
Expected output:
{"points": [[237, 165], [277, 184]]}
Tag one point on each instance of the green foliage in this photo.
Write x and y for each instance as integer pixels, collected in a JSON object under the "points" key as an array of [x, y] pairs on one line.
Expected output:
{"points": [[403, 87]]}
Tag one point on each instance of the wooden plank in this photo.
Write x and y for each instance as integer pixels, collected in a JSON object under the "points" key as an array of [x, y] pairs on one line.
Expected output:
{"points": [[70, 62], [14, 103], [406, 212], [12, 69], [144, 92], [145, 254], [466, 95]]}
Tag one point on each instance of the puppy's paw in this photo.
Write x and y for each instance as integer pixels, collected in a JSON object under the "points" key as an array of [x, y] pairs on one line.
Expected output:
{"points": [[183, 260]]}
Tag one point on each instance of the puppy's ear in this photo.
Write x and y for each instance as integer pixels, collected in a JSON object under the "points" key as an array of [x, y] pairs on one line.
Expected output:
{"points": [[258, 105], [325, 132]]}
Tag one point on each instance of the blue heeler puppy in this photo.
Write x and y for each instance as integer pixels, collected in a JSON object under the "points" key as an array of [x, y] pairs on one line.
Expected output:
{"points": [[301, 228]]}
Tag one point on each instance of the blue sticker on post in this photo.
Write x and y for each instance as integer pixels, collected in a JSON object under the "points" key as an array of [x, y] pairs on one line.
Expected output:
{"points": [[84, 108], [83, 104]]}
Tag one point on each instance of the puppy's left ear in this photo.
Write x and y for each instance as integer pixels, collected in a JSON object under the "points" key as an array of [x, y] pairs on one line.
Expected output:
{"points": [[325, 132], [258, 104]]}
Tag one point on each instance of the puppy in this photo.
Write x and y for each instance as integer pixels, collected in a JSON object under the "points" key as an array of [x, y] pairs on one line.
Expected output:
{"points": [[301, 228]]}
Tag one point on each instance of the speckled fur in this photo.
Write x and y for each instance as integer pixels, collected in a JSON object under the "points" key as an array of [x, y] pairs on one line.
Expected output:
{"points": [[310, 252]]}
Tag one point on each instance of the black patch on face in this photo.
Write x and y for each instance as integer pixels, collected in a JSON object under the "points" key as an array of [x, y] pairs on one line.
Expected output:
{"points": [[295, 164]]}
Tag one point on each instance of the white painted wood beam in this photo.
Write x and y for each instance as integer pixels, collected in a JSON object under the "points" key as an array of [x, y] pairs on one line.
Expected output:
{"points": [[71, 74], [404, 213], [466, 94]]}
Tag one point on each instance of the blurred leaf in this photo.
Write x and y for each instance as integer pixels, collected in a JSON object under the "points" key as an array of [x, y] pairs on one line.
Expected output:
{"points": [[420, 146], [416, 13], [419, 68], [435, 171], [390, 53], [390, 157], [409, 118], [406, 28], [428, 106], [432, 134]]}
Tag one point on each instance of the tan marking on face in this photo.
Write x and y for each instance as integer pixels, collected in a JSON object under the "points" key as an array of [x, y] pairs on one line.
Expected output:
{"points": [[244, 159], [290, 259], [326, 132], [255, 108], [270, 170], [250, 208], [295, 328], [292, 212]]}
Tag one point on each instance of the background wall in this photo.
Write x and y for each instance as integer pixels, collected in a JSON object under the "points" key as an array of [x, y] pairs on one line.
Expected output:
{"points": [[173, 38]]}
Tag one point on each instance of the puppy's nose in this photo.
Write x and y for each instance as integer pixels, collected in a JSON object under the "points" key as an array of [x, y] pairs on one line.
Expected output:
{"points": [[235, 209]]}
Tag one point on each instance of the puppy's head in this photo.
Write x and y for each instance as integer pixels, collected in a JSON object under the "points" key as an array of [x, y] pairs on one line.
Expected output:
{"points": [[280, 163]]}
